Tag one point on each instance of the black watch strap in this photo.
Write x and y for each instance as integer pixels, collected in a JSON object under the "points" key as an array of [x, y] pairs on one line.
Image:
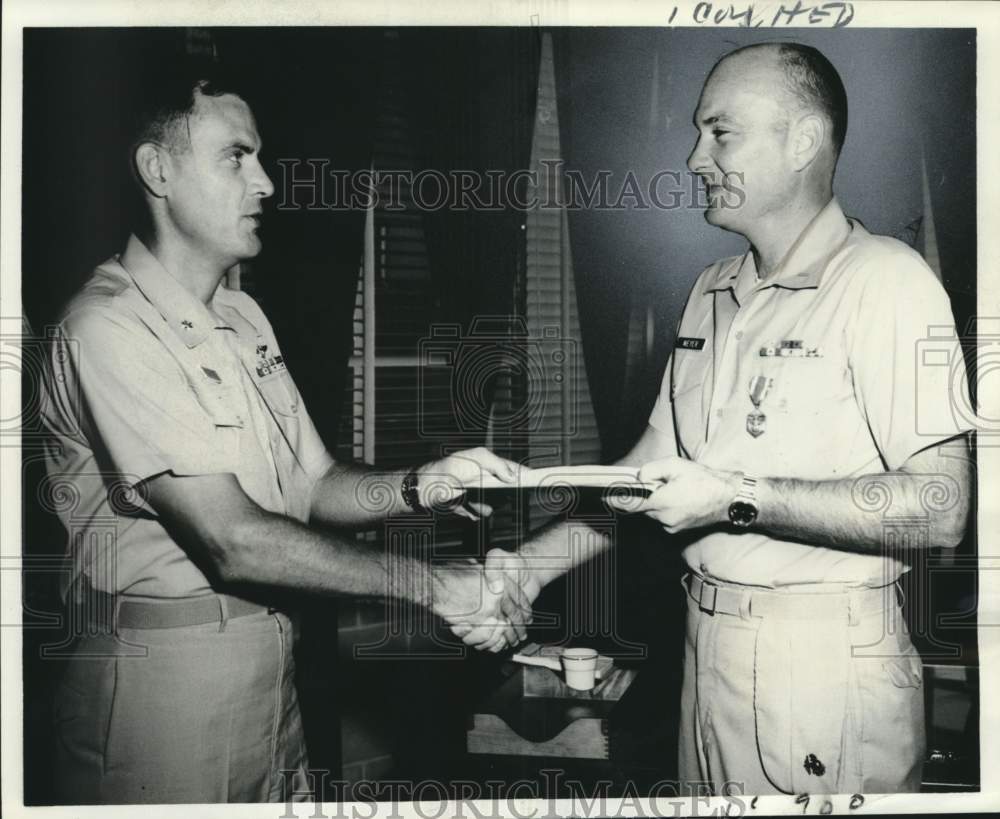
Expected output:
{"points": [[410, 493]]}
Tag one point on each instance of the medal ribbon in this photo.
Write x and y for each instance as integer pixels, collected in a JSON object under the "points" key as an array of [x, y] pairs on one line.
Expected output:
{"points": [[759, 386]]}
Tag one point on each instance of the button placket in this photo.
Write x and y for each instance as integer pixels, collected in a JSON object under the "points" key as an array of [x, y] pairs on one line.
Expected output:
{"points": [[724, 307], [728, 370], [230, 392]]}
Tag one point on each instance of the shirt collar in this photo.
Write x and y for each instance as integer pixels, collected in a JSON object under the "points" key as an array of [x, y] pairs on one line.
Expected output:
{"points": [[187, 316], [727, 274], [805, 262]]}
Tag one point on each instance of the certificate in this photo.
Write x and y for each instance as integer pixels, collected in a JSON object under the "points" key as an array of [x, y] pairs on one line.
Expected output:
{"points": [[598, 477]]}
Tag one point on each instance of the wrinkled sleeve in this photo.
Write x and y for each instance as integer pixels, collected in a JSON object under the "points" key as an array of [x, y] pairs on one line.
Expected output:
{"points": [[132, 401], [310, 449], [906, 359], [662, 416]]}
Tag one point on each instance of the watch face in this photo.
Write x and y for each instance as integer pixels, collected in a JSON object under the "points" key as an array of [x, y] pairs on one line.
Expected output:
{"points": [[742, 513]]}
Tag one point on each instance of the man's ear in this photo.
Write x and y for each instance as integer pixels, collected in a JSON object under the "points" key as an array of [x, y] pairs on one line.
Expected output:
{"points": [[808, 135], [151, 167]]}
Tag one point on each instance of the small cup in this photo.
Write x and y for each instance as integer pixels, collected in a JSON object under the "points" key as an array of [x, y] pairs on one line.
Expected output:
{"points": [[579, 665]]}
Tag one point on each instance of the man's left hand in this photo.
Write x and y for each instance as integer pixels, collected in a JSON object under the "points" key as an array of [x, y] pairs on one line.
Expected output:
{"points": [[686, 494]]}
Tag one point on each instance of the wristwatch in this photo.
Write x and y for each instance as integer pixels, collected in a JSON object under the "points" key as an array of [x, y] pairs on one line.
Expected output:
{"points": [[744, 510], [410, 493]]}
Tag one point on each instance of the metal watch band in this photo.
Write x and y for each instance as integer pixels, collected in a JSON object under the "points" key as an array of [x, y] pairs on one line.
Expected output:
{"points": [[748, 489], [743, 509]]}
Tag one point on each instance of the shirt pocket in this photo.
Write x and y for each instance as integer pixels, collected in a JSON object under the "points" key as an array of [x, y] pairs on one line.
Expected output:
{"points": [[220, 403], [812, 418], [280, 395], [811, 386]]}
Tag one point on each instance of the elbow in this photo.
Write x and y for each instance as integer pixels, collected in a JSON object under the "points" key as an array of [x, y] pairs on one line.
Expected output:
{"points": [[230, 553], [949, 529], [230, 568], [949, 537]]}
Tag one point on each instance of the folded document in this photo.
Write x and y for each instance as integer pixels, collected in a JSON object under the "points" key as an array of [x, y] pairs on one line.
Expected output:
{"points": [[599, 477]]}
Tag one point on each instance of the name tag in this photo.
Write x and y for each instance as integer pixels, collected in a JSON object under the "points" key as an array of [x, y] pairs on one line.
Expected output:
{"points": [[688, 343]]}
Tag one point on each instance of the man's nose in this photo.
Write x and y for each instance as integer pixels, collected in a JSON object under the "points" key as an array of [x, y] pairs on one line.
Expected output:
{"points": [[262, 185], [697, 161]]}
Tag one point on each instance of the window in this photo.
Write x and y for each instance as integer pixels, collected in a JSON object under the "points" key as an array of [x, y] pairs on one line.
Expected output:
{"points": [[400, 403]]}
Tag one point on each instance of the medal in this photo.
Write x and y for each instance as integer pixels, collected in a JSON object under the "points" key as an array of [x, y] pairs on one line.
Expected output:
{"points": [[756, 420]]}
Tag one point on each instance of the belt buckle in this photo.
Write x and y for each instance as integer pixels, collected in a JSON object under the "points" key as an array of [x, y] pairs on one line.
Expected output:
{"points": [[710, 608]]}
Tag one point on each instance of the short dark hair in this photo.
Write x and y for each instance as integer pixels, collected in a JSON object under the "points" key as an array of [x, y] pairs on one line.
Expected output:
{"points": [[169, 97], [814, 81]]}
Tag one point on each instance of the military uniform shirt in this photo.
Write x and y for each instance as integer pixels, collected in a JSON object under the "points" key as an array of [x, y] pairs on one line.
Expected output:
{"points": [[146, 380], [854, 338]]}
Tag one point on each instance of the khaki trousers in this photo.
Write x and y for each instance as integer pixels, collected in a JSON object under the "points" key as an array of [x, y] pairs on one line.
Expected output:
{"points": [[189, 714], [793, 705]]}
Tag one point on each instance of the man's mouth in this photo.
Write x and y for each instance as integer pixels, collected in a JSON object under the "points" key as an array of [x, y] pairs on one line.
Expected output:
{"points": [[720, 195]]}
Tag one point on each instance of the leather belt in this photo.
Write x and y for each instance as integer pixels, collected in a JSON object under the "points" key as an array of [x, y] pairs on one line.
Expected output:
{"points": [[99, 611], [722, 598]]}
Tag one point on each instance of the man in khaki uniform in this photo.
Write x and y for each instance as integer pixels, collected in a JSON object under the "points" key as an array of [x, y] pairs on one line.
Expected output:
{"points": [[795, 418], [195, 471]]}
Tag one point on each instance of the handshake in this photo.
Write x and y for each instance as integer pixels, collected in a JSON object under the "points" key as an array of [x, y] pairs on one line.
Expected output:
{"points": [[488, 606]]}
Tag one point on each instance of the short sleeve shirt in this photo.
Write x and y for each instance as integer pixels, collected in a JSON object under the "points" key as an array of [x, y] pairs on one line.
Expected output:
{"points": [[838, 343], [147, 380]]}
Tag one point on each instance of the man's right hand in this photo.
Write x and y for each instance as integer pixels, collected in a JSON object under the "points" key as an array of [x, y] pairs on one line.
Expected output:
{"points": [[509, 574], [443, 484], [461, 596]]}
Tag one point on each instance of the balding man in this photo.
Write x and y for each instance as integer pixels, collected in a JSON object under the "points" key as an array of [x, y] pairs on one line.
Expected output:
{"points": [[783, 444], [202, 490]]}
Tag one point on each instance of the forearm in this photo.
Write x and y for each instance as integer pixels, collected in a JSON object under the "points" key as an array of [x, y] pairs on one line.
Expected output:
{"points": [[556, 549], [852, 514], [269, 549], [933, 486], [353, 495], [357, 495]]}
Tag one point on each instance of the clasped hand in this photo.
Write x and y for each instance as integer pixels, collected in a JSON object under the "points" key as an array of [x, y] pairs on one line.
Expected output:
{"points": [[488, 606]]}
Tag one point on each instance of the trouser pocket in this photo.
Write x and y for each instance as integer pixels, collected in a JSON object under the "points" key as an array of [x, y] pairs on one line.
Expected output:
{"points": [[82, 707], [800, 703], [891, 735]]}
